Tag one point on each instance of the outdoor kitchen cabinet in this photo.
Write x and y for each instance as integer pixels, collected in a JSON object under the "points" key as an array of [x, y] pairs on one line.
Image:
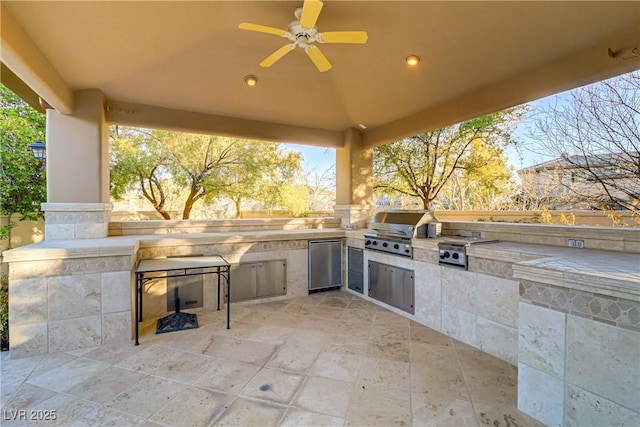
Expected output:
{"points": [[325, 264], [355, 261], [392, 285], [258, 280]]}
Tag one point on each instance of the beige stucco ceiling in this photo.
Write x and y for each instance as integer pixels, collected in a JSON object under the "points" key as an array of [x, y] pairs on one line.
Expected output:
{"points": [[190, 57]]}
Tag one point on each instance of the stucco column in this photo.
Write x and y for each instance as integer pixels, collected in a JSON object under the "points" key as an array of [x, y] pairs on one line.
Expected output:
{"points": [[354, 180], [78, 170]]}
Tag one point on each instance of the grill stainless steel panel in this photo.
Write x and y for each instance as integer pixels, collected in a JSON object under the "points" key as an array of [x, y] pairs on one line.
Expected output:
{"points": [[402, 224], [392, 232], [454, 252]]}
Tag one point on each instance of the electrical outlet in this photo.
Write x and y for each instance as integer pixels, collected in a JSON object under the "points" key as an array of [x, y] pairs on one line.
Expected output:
{"points": [[574, 243]]}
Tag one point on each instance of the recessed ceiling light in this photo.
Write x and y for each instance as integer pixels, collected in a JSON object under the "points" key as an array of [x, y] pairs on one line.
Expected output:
{"points": [[412, 60], [250, 80], [361, 126]]}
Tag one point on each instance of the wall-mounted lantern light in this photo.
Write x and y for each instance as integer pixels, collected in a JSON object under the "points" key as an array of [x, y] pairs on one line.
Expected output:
{"points": [[39, 150]]}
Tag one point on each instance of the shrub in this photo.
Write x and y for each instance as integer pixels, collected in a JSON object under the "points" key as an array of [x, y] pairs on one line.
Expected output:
{"points": [[4, 312]]}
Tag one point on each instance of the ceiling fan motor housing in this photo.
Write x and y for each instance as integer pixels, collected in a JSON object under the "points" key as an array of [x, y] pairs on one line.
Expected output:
{"points": [[301, 35]]}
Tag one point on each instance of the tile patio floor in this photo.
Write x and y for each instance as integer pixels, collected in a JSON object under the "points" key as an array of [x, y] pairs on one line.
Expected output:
{"points": [[329, 359]]}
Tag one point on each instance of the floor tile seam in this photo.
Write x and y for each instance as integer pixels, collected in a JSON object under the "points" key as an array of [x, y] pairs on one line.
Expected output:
{"points": [[3, 365], [101, 405], [131, 386], [21, 383], [251, 379], [93, 374], [411, 369], [167, 403], [160, 377], [383, 387], [294, 396], [5, 406], [189, 352], [219, 414], [57, 367], [258, 400], [466, 384]]}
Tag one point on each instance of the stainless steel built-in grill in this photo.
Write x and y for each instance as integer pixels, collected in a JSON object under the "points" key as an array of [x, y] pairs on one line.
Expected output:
{"points": [[392, 232]]}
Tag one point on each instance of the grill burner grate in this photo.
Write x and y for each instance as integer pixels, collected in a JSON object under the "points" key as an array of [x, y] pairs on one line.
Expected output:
{"points": [[177, 322]]}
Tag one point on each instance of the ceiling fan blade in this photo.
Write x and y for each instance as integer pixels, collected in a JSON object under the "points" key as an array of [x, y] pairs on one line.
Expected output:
{"points": [[271, 59], [359, 37], [310, 12], [318, 58], [262, 29]]}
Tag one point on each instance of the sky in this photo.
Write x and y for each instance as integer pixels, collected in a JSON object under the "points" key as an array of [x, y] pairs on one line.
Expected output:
{"points": [[316, 159], [319, 159]]}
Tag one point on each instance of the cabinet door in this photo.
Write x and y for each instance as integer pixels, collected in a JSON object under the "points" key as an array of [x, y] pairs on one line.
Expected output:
{"points": [[271, 278], [243, 282], [354, 271], [379, 284], [401, 291], [325, 264]]}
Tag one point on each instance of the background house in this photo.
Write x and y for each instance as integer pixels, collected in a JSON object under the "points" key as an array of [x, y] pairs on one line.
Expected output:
{"points": [[584, 181]]}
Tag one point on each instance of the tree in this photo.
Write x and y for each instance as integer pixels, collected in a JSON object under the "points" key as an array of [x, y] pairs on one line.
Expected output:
{"points": [[137, 159], [266, 174], [483, 183], [322, 188], [422, 165], [595, 137], [22, 176], [168, 166]]}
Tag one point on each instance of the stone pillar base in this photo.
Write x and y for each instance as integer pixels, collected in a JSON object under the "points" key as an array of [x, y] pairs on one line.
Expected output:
{"points": [[72, 221], [354, 215]]}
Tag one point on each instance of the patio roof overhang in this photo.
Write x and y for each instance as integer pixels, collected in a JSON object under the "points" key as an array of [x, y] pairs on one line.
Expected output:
{"points": [[181, 65]]}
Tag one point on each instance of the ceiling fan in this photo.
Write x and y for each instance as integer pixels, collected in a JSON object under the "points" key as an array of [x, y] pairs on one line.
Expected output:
{"points": [[303, 33]]}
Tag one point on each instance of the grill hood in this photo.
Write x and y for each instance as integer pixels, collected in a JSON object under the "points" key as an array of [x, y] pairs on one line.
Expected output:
{"points": [[404, 224]]}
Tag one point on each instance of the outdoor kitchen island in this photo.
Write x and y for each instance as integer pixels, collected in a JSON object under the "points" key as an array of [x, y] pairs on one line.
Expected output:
{"points": [[567, 318], [76, 294]]}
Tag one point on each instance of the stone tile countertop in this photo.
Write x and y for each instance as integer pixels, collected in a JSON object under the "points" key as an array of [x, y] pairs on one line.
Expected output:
{"points": [[129, 245], [606, 272]]}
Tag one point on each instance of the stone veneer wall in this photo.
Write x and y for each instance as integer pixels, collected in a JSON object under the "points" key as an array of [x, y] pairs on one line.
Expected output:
{"points": [[161, 227], [70, 221], [478, 307], [579, 355], [67, 304]]}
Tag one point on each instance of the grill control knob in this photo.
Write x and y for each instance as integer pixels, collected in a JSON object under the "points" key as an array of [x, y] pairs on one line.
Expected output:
{"points": [[367, 243], [375, 243], [455, 256], [396, 246], [447, 254], [385, 244]]}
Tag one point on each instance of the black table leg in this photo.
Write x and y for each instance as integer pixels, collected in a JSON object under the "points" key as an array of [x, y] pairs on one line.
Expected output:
{"points": [[137, 307], [218, 274], [228, 297]]}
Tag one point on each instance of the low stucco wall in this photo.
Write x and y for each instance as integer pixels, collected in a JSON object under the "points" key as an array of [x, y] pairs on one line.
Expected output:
{"points": [[24, 233]]}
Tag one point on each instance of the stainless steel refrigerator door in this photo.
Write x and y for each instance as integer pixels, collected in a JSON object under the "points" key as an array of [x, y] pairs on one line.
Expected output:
{"points": [[325, 264]]}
